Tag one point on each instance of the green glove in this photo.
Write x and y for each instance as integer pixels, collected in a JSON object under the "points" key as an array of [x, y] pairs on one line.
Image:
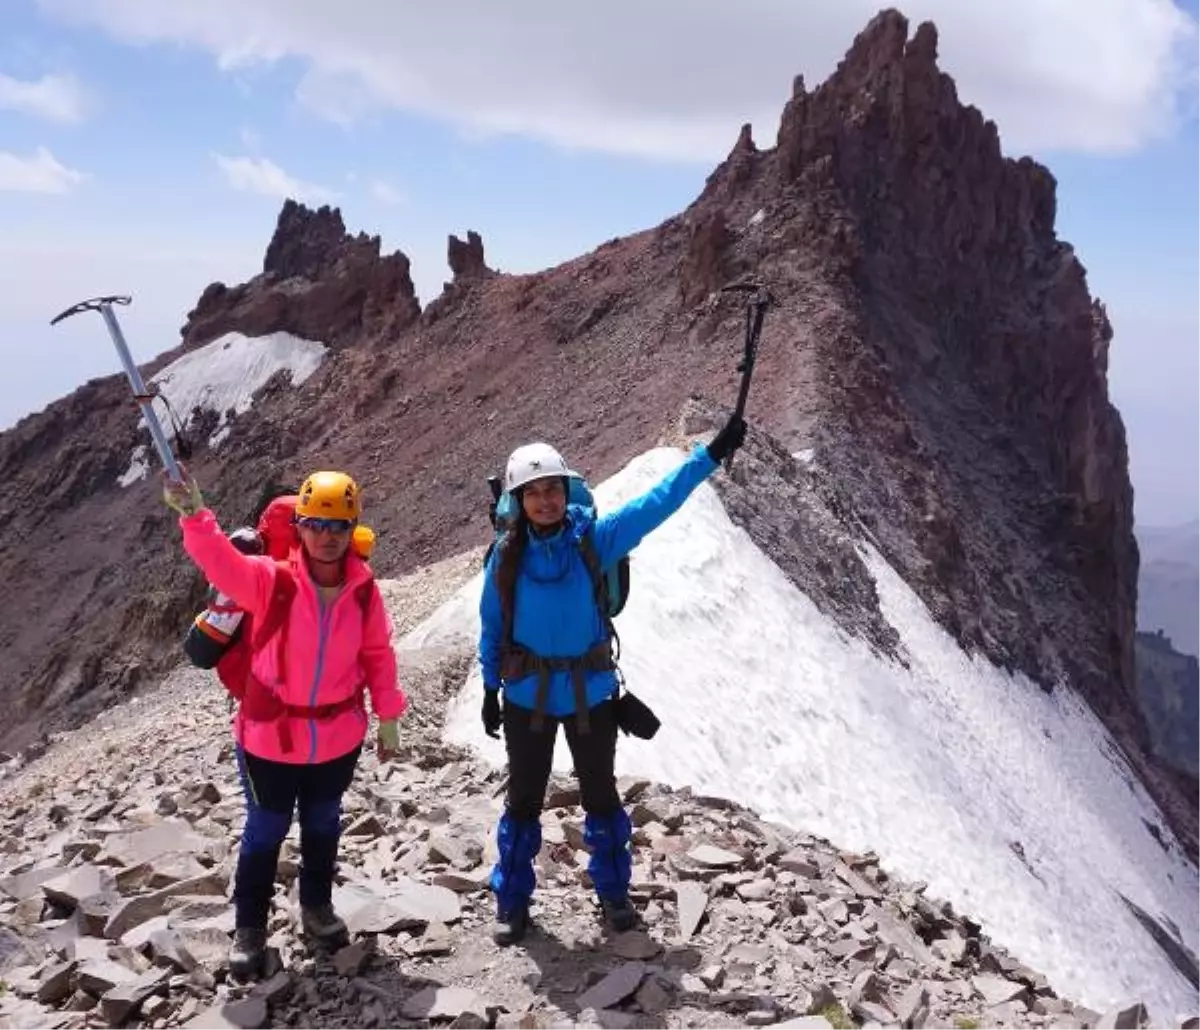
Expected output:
{"points": [[388, 740], [185, 496]]}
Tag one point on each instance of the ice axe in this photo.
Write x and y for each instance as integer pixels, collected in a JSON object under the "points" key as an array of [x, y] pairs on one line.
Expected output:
{"points": [[756, 308], [144, 399]]}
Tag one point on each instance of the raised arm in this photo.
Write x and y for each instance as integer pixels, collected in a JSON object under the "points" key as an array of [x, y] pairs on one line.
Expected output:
{"points": [[247, 579], [620, 531]]}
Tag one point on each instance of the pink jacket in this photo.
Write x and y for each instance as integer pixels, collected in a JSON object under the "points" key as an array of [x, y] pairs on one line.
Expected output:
{"points": [[332, 653]]}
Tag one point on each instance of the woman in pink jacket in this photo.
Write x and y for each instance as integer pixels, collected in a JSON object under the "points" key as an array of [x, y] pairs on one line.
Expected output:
{"points": [[301, 724]]}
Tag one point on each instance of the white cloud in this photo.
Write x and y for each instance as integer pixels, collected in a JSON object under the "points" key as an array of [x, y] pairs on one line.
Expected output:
{"points": [[58, 98], [663, 80], [385, 193], [41, 173], [340, 96], [250, 139], [259, 175]]}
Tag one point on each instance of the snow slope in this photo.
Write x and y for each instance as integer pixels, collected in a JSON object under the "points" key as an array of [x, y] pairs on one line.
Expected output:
{"points": [[950, 770], [223, 376]]}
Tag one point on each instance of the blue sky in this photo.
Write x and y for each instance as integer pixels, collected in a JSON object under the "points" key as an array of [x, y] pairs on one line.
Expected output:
{"points": [[145, 148]]}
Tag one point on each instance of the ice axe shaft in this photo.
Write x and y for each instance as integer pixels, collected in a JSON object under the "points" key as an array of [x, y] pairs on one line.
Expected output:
{"points": [[756, 309], [144, 399]]}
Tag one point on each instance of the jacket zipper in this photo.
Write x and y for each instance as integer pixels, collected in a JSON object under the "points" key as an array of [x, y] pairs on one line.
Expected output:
{"points": [[323, 621]]}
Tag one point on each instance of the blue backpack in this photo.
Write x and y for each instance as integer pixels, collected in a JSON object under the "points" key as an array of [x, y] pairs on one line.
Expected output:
{"points": [[611, 585]]}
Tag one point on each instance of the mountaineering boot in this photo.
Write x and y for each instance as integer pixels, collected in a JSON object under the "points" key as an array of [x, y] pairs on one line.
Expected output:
{"points": [[619, 913], [511, 925], [324, 926], [248, 954]]}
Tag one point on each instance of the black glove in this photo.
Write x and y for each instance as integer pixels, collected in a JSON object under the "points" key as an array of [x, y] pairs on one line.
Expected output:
{"points": [[491, 713], [729, 439]]}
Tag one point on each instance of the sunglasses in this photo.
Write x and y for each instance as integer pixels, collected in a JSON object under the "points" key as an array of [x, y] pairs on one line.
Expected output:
{"points": [[318, 525]]}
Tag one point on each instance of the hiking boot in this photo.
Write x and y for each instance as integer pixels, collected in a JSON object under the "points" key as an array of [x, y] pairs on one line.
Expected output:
{"points": [[248, 954], [324, 925], [511, 926], [619, 913]]}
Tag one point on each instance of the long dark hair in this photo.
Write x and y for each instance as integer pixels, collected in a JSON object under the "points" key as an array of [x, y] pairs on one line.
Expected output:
{"points": [[512, 549]]}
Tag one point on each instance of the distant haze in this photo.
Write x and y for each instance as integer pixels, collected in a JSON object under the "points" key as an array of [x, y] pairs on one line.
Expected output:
{"points": [[1169, 583]]}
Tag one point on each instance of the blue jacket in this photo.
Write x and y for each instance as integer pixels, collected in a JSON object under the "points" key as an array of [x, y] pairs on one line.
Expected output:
{"points": [[555, 612]]}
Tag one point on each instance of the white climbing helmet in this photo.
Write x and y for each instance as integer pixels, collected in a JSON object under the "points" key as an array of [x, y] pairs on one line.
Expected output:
{"points": [[534, 461]]}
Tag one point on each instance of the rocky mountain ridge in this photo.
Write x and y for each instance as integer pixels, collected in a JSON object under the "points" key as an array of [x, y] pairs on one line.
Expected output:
{"points": [[935, 348]]}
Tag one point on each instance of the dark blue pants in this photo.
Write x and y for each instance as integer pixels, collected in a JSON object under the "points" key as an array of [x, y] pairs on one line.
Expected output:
{"points": [[607, 829], [274, 791]]}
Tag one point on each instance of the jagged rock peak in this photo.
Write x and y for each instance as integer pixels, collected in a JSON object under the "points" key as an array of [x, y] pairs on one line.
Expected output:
{"points": [[350, 292], [737, 169], [466, 259], [888, 130], [745, 140], [924, 44], [880, 45], [884, 46], [310, 243]]}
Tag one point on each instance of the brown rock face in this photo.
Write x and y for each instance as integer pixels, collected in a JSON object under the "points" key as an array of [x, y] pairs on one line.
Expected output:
{"points": [[935, 347], [306, 243], [318, 282], [979, 359], [706, 264], [466, 259]]}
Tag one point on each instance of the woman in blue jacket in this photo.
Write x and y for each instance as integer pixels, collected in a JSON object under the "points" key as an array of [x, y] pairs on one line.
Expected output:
{"points": [[545, 643]]}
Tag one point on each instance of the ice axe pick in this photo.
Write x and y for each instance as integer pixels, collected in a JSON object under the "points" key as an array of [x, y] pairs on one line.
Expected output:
{"points": [[144, 399]]}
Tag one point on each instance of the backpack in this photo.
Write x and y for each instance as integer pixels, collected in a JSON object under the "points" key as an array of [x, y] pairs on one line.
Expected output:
{"points": [[225, 637], [611, 585]]}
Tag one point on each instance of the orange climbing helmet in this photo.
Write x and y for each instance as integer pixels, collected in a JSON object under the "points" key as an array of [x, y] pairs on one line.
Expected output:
{"points": [[329, 495]]}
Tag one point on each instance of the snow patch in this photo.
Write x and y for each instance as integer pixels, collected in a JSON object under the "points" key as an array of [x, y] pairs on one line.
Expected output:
{"points": [[758, 217], [139, 466], [223, 375], [1006, 800], [805, 456]]}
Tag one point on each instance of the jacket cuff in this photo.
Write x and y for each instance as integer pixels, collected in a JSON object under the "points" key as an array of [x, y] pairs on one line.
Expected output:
{"points": [[703, 456], [390, 705]]}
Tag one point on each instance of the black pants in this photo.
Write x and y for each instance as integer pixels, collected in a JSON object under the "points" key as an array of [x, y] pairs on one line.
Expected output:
{"points": [[531, 757], [274, 790]]}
